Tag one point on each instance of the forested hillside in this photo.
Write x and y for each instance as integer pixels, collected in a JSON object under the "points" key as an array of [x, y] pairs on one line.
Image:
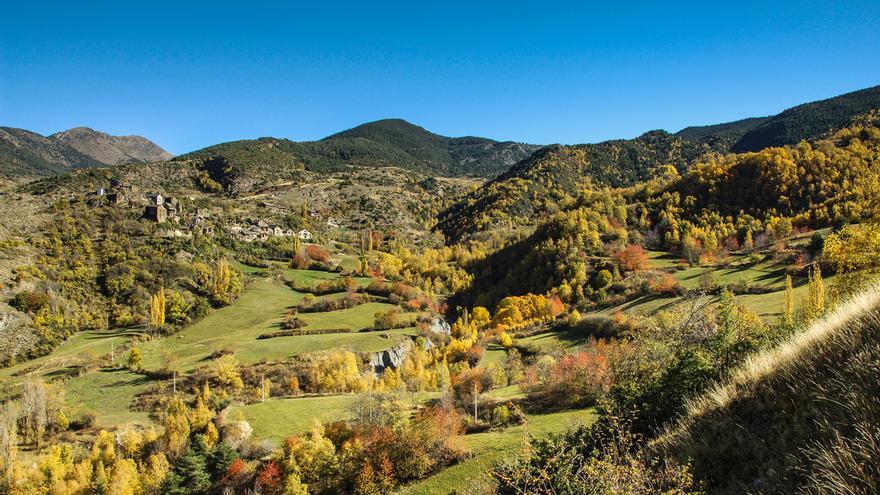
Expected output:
{"points": [[384, 143], [537, 186], [720, 137], [809, 120]]}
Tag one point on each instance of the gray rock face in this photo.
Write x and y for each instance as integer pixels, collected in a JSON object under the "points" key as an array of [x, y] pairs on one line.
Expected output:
{"points": [[440, 325], [390, 358]]}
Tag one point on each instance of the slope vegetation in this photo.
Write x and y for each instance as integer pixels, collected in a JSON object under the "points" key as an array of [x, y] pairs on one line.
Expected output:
{"points": [[538, 184], [801, 418], [391, 142], [809, 120], [27, 154]]}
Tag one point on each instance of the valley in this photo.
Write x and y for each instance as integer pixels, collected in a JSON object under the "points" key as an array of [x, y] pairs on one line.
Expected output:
{"points": [[388, 310]]}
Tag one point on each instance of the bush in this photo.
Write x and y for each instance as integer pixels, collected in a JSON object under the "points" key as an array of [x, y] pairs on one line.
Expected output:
{"points": [[302, 331], [317, 253], [599, 326], [386, 320], [28, 301], [291, 322]]}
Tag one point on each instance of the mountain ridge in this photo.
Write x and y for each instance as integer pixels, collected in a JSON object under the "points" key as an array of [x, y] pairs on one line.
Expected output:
{"points": [[25, 153]]}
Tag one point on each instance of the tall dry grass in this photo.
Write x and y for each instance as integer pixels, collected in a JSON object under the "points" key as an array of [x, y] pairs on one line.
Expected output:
{"points": [[803, 417]]}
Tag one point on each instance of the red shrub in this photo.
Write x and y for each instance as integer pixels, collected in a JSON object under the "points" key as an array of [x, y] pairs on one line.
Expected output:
{"points": [[299, 262], [632, 259], [270, 479], [317, 253]]}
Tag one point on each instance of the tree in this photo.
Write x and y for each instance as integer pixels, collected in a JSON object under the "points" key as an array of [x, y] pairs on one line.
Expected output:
{"points": [[815, 303], [788, 317], [225, 371], [602, 279], [691, 249], [135, 360], [35, 407], [8, 438], [157, 308], [748, 242], [189, 476], [222, 278], [632, 259]]}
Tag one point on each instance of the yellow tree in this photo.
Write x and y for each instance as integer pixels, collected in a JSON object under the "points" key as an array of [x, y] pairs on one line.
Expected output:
{"points": [[157, 308], [789, 301], [222, 278], [815, 303]]}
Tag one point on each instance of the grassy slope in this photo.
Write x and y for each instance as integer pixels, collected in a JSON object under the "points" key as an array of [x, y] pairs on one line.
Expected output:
{"points": [[802, 416], [487, 448], [108, 394], [277, 419], [260, 309]]}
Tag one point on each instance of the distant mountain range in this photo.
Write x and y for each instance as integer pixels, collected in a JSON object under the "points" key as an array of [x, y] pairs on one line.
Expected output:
{"points": [[390, 142], [395, 142], [24, 153]]}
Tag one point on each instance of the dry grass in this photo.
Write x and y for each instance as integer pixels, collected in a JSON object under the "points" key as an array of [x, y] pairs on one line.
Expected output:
{"points": [[800, 418]]}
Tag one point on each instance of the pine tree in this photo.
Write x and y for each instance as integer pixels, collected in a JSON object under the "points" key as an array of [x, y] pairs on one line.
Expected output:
{"points": [[100, 484]]}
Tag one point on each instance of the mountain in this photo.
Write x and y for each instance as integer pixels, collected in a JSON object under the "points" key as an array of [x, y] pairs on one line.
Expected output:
{"points": [[27, 154], [392, 142], [809, 120], [112, 150], [536, 185], [471, 156], [720, 137]]}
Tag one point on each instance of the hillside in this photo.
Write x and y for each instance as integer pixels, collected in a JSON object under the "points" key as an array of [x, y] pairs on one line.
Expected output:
{"points": [[809, 120], [471, 156], [112, 150], [720, 137], [537, 184], [383, 143], [799, 418], [27, 154]]}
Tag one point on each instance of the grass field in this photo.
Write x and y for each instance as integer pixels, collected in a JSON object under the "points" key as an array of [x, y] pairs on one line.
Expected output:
{"points": [[77, 349], [260, 309], [488, 448], [107, 393], [277, 419]]}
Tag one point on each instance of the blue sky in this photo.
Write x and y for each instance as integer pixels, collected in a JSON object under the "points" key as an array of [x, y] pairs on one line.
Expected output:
{"points": [[191, 74]]}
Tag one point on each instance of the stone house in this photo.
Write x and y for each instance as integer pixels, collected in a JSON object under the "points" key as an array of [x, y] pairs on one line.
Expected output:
{"points": [[156, 213]]}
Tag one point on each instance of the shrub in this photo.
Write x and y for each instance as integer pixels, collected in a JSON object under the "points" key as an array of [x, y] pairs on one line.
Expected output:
{"points": [[632, 259], [386, 320], [317, 253], [28, 301]]}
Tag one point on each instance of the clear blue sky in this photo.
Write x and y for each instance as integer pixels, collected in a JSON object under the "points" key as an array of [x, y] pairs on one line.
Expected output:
{"points": [[190, 74]]}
